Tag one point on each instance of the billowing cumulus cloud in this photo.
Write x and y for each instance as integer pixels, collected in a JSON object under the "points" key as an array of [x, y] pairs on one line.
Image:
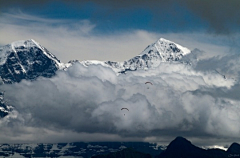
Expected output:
{"points": [[84, 104]]}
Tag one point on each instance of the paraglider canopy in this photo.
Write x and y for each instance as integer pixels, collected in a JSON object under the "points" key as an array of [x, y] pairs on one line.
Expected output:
{"points": [[125, 108], [149, 83]]}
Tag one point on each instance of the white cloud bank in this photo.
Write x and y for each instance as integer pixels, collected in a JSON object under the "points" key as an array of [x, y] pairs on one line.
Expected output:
{"points": [[84, 104]]}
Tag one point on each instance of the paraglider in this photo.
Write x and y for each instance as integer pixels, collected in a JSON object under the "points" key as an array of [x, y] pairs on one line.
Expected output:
{"points": [[146, 83], [125, 109]]}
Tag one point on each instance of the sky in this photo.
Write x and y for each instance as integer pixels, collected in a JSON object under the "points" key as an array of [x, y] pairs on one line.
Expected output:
{"points": [[112, 30], [82, 104]]}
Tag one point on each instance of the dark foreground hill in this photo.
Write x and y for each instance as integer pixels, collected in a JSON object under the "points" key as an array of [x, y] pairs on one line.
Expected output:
{"points": [[182, 148], [179, 148]]}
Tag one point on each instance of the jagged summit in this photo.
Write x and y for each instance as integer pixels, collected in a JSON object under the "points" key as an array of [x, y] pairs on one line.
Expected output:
{"points": [[31, 43], [26, 59], [166, 46]]}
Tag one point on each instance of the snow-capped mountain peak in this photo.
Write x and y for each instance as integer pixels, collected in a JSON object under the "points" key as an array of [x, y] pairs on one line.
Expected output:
{"points": [[161, 51], [26, 59], [167, 50], [28, 44]]}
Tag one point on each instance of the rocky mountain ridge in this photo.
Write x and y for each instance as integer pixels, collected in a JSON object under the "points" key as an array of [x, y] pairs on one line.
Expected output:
{"points": [[28, 60]]}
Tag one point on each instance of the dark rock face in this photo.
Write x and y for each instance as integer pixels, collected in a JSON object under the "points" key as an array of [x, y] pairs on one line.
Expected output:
{"points": [[26, 60], [4, 108]]}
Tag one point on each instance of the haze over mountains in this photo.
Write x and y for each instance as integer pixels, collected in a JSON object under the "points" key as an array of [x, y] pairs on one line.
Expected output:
{"points": [[82, 100]]}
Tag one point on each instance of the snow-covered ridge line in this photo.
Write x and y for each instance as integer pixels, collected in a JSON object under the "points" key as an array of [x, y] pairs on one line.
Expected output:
{"points": [[161, 51]]}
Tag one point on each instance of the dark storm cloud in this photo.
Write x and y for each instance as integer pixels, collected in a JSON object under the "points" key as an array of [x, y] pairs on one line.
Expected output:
{"points": [[16, 3], [221, 17], [23, 4], [111, 4]]}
